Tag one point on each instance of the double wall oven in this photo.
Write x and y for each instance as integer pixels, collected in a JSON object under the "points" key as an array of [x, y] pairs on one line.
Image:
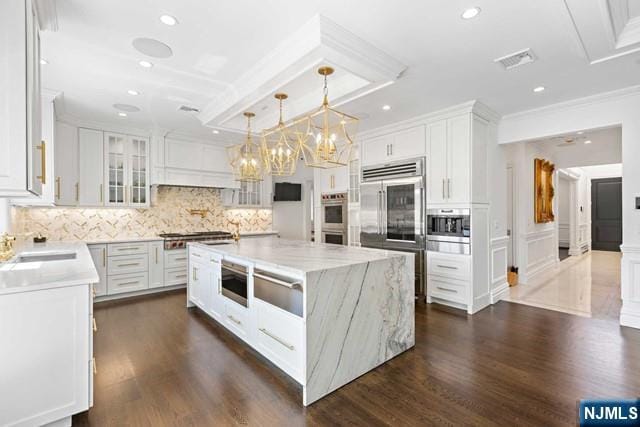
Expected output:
{"points": [[392, 210], [335, 218]]}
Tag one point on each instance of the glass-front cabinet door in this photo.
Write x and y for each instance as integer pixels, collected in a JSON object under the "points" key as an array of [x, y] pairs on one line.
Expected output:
{"points": [[137, 161], [115, 157]]}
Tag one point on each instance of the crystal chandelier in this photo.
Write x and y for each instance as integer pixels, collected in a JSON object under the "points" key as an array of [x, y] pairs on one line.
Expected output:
{"points": [[281, 145], [329, 134], [247, 159]]}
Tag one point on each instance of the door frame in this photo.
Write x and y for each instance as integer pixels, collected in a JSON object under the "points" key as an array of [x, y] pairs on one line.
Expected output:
{"points": [[513, 233]]}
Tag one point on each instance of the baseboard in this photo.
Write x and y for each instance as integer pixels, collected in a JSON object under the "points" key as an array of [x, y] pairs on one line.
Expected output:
{"points": [[539, 271], [630, 317], [500, 292], [138, 293], [479, 303]]}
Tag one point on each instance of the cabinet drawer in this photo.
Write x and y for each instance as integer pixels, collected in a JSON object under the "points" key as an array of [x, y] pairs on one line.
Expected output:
{"points": [[447, 265], [175, 276], [175, 258], [199, 255], [448, 289], [127, 283], [128, 264], [280, 338], [236, 318], [117, 249]]}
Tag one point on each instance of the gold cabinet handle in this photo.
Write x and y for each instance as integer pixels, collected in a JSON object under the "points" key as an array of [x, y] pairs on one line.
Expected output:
{"points": [[93, 291], [104, 257], [234, 320], [101, 193], [131, 264], [95, 326], [277, 339], [95, 368], [77, 191], [156, 254], [43, 159], [195, 274], [58, 179]]}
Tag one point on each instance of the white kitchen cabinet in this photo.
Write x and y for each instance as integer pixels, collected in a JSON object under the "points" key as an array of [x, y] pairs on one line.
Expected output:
{"points": [[126, 160], [156, 264], [334, 180], [215, 276], [90, 160], [407, 143], [250, 194], [46, 367], [99, 256], [450, 143], [66, 165], [22, 153]]}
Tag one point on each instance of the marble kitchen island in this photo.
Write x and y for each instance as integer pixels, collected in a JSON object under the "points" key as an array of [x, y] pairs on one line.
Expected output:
{"points": [[324, 314]]}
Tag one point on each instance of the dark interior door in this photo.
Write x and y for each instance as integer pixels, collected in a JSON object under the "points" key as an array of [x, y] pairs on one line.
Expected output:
{"points": [[606, 214]]}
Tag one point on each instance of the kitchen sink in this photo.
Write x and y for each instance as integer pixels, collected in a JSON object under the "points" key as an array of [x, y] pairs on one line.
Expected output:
{"points": [[45, 256]]}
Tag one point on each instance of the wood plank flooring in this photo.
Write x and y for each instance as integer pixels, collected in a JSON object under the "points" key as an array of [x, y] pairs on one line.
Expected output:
{"points": [[162, 364]]}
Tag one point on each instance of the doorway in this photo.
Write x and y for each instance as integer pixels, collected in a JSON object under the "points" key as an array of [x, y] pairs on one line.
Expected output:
{"points": [[606, 214], [565, 213]]}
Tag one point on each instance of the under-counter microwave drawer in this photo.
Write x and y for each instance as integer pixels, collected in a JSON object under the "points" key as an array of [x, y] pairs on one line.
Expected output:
{"points": [[117, 249], [175, 276], [127, 264], [175, 258], [127, 283], [283, 292], [280, 338]]}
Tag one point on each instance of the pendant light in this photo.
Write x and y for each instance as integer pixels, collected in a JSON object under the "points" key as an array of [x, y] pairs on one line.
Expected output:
{"points": [[329, 134], [246, 159], [281, 145]]}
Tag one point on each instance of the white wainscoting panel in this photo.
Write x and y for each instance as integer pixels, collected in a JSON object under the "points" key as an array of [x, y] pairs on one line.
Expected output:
{"points": [[630, 312], [564, 238], [499, 285], [540, 253]]}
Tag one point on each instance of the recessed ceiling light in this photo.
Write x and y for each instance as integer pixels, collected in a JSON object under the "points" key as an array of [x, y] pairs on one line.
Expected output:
{"points": [[386, 107], [470, 13], [168, 20], [122, 114], [216, 131], [588, 141], [539, 89], [133, 92], [145, 64], [43, 61]]}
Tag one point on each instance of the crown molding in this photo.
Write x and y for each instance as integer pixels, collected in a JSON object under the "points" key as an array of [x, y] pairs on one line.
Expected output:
{"points": [[319, 41], [599, 98], [468, 107]]}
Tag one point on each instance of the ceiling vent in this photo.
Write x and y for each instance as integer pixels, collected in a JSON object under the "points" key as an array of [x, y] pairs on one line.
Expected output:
{"points": [[517, 59], [188, 109]]}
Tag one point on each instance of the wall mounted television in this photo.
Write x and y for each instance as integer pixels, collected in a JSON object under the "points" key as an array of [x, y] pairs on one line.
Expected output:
{"points": [[287, 192]]}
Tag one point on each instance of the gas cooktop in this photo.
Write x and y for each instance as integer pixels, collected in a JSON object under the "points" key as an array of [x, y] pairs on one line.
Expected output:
{"points": [[179, 240]]}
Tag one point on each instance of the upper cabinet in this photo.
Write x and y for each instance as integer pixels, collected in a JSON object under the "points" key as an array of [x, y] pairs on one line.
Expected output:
{"points": [[23, 154], [250, 194], [126, 170], [399, 145], [333, 180], [457, 169], [90, 184], [66, 165]]}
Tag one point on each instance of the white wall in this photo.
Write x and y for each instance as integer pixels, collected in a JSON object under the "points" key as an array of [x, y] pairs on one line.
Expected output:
{"points": [[603, 171], [293, 219], [618, 108]]}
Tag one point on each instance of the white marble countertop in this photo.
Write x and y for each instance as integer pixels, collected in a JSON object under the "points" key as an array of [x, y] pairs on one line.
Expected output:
{"points": [[123, 240], [259, 233], [299, 255], [38, 275]]}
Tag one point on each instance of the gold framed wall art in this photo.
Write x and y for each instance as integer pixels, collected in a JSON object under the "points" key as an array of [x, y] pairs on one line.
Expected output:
{"points": [[543, 188]]}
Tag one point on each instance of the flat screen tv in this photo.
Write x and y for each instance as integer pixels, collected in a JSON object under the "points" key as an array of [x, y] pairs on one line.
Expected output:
{"points": [[287, 192]]}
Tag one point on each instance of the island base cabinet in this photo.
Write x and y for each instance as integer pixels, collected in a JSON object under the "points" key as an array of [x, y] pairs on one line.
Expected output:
{"points": [[236, 319], [46, 355], [280, 337]]}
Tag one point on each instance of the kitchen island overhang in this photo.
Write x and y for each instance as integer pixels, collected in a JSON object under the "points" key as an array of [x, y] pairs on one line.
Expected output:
{"points": [[356, 305]]}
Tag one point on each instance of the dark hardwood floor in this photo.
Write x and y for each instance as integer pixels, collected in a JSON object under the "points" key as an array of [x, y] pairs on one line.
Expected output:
{"points": [[161, 364]]}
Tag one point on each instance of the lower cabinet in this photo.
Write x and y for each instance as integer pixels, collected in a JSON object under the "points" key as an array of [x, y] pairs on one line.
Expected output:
{"points": [[99, 256], [156, 264], [175, 267], [449, 278], [47, 362]]}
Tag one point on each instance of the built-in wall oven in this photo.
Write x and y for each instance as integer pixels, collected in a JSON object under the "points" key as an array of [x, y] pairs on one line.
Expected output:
{"points": [[392, 210], [234, 282], [334, 218], [449, 230]]}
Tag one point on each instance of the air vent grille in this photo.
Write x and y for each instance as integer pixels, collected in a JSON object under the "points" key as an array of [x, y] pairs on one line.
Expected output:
{"points": [[188, 109], [392, 170], [517, 59]]}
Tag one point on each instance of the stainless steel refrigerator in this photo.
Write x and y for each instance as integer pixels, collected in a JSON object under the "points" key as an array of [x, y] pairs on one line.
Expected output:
{"points": [[393, 211]]}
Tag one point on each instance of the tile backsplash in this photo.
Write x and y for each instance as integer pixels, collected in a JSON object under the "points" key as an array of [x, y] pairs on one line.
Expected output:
{"points": [[169, 213]]}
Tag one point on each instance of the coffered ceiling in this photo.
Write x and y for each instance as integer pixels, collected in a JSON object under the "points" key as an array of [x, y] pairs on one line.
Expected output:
{"points": [[431, 58]]}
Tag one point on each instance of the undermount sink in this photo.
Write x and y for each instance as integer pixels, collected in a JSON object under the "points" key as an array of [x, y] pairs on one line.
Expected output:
{"points": [[40, 257]]}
